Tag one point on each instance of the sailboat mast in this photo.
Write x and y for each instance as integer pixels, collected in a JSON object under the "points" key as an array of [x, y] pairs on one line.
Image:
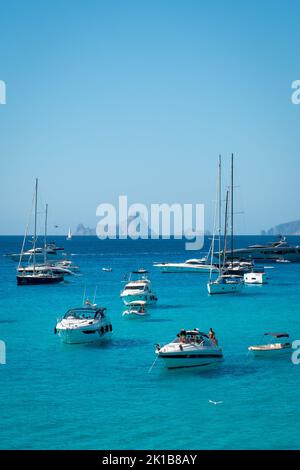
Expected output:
{"points": [[35, 223], [225, 229], [45, 237], [232, 207], [220, 206]]}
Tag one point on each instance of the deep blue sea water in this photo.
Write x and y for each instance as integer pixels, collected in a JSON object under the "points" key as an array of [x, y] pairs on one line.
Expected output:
{"points": [[56, 396]]}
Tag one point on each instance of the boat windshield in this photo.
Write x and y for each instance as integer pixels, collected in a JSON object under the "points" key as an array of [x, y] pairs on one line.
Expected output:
{"points": [[84, 313], [190, 337]]}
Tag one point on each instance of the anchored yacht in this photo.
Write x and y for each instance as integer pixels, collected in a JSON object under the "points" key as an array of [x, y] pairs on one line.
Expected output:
{"points": [[188, 266], [274, 251], [191, 348], [51, 251], [85, 324], [138, 289]]}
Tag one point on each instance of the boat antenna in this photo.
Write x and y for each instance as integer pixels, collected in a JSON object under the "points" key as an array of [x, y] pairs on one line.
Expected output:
{"points": [[35, 223], [84, 292], [225, 230], [45, 237], [95, 293], [231, 208]]}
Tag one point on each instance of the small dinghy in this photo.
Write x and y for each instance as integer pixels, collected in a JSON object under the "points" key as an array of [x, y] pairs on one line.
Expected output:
{"points": [[274, 348], [136, 310]]}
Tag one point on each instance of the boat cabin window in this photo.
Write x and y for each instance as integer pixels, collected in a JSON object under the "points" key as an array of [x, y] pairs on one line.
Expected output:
{"points": [[137, 287], [84, 313], [187, 337]]}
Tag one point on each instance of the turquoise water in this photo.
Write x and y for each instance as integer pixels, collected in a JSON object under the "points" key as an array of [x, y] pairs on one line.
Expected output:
{"points": [[56, 396]]}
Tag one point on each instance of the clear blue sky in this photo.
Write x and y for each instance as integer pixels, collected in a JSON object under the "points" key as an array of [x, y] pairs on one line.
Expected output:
{"points": [[139, 98]]}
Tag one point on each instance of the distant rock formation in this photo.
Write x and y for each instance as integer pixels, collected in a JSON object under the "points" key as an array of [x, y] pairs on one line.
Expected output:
{"points": [[87, 231], [289, 228], [84, 231]]}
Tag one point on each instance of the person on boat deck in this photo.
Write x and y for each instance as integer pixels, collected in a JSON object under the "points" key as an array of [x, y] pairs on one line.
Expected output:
{"points": [[182, 338], [88, 302], [142, 309], [212, 336]]}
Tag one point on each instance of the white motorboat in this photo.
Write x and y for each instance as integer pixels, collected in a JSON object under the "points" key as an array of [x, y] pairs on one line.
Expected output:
{"points": [[136, 309], [85, 324], [256, 276], [66, 264], [274, 348], [51, 251], [138, 289], [188, 266], [191, 348], [108, 270], [282, 260]]}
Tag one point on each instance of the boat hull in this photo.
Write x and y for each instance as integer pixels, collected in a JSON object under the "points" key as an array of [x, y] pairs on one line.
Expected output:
{"points": [[38, 280], [255, 278], [29, 257], [78, 336], [181, 361], [224, 288], [268, 255], [133, 315], [174, 268], [270, 353], [149, 299]]}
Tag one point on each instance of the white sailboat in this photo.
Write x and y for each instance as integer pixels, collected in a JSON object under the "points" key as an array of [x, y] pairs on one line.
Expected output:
{"points": [[69, 236], [225, 283], [36, 276]]}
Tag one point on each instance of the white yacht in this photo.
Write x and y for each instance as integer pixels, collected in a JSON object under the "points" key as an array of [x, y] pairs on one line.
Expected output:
{"points": [[51, 252], [40, 268], [274, 348], [188, 266], [85, 324], [138, 289], [191, 348], [136, 309]]}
